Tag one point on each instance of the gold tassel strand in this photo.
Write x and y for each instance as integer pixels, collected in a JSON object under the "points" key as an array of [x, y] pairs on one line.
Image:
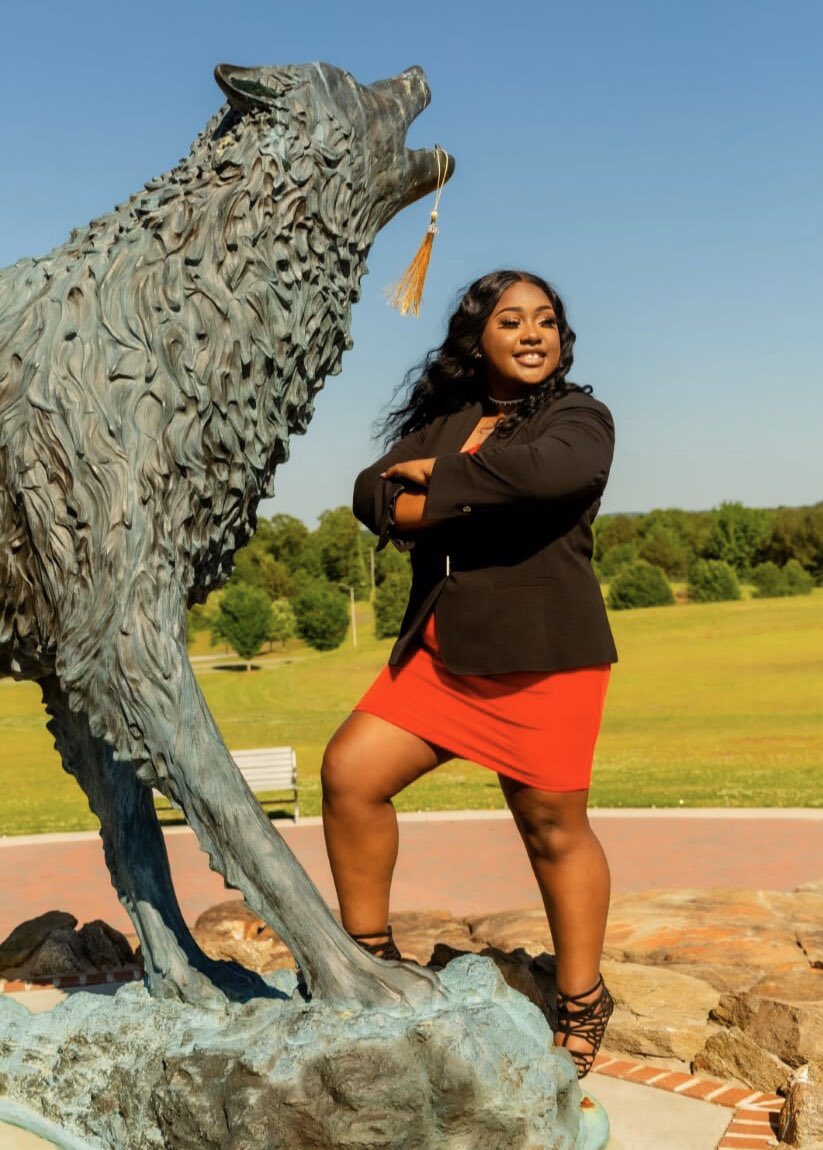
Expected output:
{"points": [[408, 291]]}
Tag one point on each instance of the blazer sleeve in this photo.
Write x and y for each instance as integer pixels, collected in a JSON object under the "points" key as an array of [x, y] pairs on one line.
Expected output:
{"points": [[374, 498], [569, 460]]}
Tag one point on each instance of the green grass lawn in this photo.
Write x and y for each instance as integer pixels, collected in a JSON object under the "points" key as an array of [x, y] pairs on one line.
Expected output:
{"points": [[711, 705]]}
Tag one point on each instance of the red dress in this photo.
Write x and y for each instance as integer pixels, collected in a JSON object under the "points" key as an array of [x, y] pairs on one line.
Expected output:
{"points": [[538, 728]]}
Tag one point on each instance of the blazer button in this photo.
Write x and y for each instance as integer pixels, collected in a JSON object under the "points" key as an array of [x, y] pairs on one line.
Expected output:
{"points": [[466, 509]]}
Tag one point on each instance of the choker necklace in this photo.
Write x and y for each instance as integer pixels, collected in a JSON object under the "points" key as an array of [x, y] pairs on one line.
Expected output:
{"points": [[504, 402]]}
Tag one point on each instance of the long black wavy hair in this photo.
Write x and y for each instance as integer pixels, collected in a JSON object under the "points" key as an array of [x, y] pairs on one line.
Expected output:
{"points": [[452, 376]]}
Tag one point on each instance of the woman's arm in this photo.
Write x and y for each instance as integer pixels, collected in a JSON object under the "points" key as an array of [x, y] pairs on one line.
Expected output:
{"points": [[570, 460], [410, 503], [383, 503]]}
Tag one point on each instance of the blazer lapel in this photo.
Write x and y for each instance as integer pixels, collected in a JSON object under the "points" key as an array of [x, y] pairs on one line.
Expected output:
{"points": [[456, 429]]}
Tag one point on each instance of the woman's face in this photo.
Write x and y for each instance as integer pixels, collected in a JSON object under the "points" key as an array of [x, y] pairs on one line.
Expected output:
{"points": [[520, 344]]}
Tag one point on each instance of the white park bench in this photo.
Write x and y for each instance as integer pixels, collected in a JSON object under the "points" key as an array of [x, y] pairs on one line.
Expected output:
{"points": [[265, 769]]}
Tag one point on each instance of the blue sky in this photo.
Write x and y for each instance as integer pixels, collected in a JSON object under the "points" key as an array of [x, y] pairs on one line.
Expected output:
{"points": [[661, 163]]}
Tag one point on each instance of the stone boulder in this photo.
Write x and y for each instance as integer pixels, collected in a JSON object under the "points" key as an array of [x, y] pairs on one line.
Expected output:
{"points": [[50, 946], [417, 932], [231, 932], [707, 927], [801, 1121], [658, 1013], [510, 929], [732, 1056], [29, 936], [783, 1013]]}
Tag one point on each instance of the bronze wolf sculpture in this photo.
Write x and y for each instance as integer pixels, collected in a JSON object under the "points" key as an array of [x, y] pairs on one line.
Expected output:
{"points": [[152, 370]]}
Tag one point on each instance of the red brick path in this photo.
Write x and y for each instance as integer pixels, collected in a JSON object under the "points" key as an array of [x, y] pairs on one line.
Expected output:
{"points": [[461, 865]]}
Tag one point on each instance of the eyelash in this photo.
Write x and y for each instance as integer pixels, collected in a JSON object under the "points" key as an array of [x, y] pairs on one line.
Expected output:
{"points": [[514, 322]]}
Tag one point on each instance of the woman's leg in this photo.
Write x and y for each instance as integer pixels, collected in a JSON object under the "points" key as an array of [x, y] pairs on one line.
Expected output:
{"points": [[367, 762], [573, 876]]}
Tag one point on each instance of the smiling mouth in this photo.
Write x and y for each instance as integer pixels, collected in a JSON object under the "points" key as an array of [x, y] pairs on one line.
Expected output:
{"points": [[531, 358]]}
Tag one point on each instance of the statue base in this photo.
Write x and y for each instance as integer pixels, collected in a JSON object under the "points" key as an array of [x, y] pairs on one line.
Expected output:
{"points": [[476, 1070]]}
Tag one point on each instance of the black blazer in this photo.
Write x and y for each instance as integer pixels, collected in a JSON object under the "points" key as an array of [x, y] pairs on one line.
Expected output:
{"points": [[508, 570]]}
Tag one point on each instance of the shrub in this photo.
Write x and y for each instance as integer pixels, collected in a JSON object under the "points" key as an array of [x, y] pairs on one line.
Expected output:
{"points": [[769, 581], [772, 582], [712, 581], [322, 615], [390, 601], [640, 584], [798, 580]]}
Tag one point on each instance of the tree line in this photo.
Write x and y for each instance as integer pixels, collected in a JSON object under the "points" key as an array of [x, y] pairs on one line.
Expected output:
{"points": [[778, 551], [290, 581]]}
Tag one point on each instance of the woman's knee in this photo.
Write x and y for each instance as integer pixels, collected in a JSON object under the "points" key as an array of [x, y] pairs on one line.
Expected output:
{"points": [[552, 825], [357, 767], [369, 759], [338, 773]]}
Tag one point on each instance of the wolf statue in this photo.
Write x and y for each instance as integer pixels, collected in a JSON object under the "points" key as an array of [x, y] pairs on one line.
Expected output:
{"points": [[152, 370]]}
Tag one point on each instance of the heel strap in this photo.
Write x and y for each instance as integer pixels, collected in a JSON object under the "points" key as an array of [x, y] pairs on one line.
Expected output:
{"points": [[384, 945], [564, 1000]]}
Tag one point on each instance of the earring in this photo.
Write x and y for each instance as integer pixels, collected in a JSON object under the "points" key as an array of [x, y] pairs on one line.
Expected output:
{"points": [[477, 355]]}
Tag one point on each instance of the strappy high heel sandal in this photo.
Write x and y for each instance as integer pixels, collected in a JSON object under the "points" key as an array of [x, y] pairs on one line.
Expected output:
{"points": [[383, 947], [586, 1021]]}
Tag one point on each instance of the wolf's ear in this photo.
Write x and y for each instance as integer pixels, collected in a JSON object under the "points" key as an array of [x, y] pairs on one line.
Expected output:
{"points": [[248, 89]]}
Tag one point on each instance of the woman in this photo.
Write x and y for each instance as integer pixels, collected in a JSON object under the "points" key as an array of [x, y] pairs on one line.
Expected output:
{"points": [[493, 480]]}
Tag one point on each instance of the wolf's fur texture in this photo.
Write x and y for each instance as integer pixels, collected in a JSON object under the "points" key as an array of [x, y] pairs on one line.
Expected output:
{"points": [[151, 372]]}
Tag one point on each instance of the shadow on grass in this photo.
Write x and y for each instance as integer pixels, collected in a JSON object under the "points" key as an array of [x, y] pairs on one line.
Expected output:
{"points": [[171, 816]]}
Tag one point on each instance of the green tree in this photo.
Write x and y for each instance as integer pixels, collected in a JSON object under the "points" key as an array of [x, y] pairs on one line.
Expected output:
{"points": [[390, 561], [797, 533], [255, 566], [612, 530], [690, 527], [309, 564], [282, 623], [242, 620], [286, 538], [390, 601], [712, 581], [640, 585], [614, 559], [664, 547], [340, 541], [736, 535], [322, 615]]}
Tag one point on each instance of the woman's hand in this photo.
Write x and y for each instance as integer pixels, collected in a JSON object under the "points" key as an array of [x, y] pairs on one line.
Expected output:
{"points": [[416, 471]]}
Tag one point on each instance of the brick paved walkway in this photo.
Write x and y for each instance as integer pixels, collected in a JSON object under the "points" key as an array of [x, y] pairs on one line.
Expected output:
{"points": [[460, 863]]}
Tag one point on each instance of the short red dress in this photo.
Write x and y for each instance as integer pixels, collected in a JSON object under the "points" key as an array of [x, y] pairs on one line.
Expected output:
{"points": [[536, 727], [540, 729]]}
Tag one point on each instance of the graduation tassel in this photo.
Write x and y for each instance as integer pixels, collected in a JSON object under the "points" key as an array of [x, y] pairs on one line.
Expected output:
{"points": [[408, 291]]}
